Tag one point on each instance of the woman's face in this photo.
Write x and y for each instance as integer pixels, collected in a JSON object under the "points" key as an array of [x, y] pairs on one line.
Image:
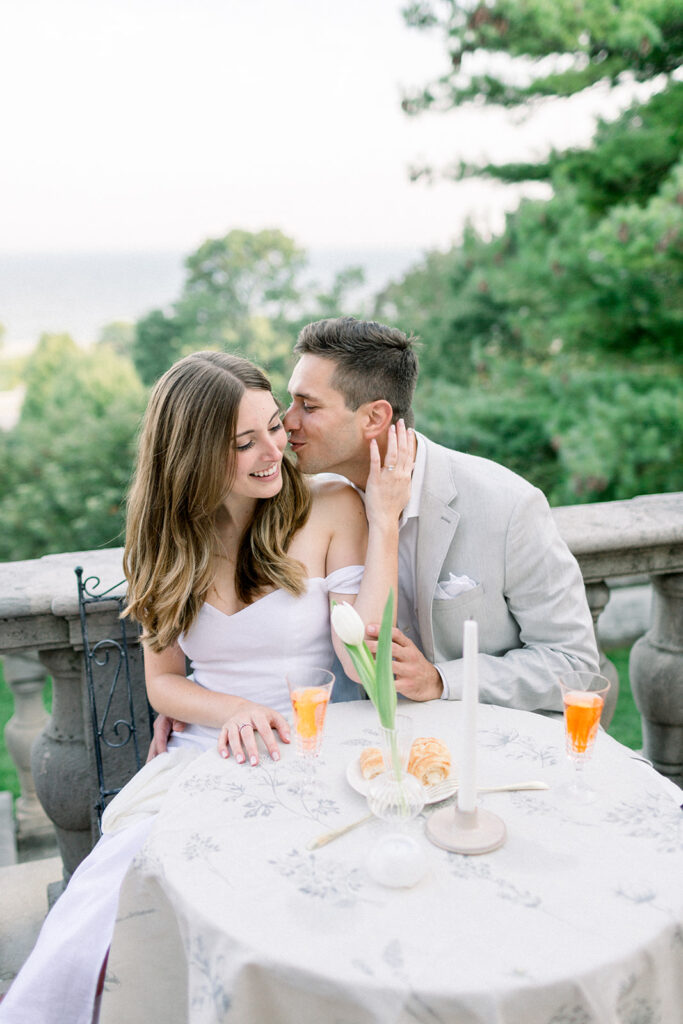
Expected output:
{"points": [[260, 441]]}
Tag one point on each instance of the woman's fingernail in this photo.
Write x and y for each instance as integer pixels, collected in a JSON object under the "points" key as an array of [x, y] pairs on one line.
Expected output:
{"points": [[239, 758], [224, 753], [275, 755], [253, 759]]}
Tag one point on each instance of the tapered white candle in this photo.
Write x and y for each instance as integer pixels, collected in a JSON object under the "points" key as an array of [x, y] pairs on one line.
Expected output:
{"points": [[467, 770]]}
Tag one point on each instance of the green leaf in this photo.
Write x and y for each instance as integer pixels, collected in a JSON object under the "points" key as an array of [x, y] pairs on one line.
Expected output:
{"points": [[386, 688]]}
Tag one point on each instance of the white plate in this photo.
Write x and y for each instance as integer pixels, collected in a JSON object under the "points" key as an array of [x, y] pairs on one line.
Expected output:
{"points": [[355, 779]]}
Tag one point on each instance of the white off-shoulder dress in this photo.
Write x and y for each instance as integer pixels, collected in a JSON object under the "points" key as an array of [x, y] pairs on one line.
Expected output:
{"points": [[247, 654]]}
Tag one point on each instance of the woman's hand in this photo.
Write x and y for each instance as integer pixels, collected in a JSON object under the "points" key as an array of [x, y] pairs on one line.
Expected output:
{"points": [[239, 732], [388, 488]]}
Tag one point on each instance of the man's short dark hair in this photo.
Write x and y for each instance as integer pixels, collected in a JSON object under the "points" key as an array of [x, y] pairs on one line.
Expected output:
{"points": [[373, 361]]}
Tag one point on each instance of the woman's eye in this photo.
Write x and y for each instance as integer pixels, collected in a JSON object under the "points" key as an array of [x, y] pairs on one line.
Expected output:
{"points": [[245, 447], [278, 426]]}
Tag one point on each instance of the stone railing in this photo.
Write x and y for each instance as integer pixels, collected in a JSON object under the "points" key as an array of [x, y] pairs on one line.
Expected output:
{"points": [[40, 633]]}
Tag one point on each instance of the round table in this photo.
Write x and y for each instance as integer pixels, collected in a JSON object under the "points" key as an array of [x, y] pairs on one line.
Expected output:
{"points": [[578, 918]]}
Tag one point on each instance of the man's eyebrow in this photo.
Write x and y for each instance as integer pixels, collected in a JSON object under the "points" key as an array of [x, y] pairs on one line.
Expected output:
{"points": [[252, 430], [305, 395]]}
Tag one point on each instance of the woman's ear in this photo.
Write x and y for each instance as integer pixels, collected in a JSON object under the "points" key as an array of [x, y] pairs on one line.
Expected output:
{"points": [[377, 418]]}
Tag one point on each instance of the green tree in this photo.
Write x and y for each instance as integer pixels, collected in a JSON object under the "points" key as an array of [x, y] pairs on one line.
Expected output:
{"points": [[158, 342], [243, 293], [555, 347], [588, 41], [600, 264], [66, 464], [580, 434], [119, 335], [239, 295]]}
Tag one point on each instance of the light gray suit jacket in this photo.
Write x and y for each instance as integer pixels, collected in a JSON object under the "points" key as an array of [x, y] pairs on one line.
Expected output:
{"points": [[479, 519]]}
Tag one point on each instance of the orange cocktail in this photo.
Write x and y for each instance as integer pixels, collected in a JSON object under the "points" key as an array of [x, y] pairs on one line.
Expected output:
{"points": [[583, 697], [582, 717], [309, 692]]}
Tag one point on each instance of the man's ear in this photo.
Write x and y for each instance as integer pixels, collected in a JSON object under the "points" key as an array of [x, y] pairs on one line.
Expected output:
{"points": [[377, 418]]}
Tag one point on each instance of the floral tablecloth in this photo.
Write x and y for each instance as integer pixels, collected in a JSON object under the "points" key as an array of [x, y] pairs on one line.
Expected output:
{"points": [[577, 919]]}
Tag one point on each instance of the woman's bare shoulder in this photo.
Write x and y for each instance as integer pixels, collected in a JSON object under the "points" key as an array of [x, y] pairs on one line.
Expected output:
{"points": [[334, 497]]}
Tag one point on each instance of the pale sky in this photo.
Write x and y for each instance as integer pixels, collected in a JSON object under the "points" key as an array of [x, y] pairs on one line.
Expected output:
{"points": [[153, 124]]}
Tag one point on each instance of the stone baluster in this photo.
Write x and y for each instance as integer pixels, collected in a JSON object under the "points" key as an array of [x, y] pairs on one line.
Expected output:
{"points": [[62, 765], [656, 669], [598, 594], [25, 677]]}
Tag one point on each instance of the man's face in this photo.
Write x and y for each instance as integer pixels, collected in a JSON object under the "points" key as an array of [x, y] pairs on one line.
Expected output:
{"points": [[326, 436]]}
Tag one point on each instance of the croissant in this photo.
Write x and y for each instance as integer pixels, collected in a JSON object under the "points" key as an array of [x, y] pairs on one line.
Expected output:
{"points": [[429, 761], [371, 762]]}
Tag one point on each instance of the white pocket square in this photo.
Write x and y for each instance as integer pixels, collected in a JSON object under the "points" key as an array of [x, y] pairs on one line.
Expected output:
{"points": [[453, 586]]}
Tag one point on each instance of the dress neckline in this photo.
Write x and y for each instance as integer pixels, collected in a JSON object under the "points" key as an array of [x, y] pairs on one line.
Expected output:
{"points": [[278, 590], [231, 615]]}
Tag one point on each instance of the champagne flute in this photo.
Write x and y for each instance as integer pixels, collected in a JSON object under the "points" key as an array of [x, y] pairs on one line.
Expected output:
{"points": [[583, 697]]}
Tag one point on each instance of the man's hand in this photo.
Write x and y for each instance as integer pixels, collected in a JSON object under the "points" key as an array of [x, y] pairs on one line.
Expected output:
{"points": [[415, 677], [163, 727]]}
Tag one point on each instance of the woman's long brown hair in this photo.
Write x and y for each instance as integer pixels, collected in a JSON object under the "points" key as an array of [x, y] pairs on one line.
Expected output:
{"points": [[184, 469]]}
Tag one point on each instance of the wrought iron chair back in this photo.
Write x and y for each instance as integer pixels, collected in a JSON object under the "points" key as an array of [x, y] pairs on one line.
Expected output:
{"points": [[118, 705]]}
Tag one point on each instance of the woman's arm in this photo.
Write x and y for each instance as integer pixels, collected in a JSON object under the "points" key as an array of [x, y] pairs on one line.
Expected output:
{"points": [[387, 494], [172, 694]]}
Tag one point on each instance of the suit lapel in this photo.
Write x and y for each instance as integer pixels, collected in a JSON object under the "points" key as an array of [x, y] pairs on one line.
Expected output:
{"points": [[437, 525]]}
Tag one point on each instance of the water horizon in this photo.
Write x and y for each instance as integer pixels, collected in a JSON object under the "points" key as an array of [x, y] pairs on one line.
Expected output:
{"points": [[79, 293]]}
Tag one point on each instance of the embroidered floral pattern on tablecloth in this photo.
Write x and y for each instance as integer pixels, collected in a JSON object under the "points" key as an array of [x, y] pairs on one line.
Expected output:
{"points": [[207, 979], [516, 746], [657, 818], [329, 880]]}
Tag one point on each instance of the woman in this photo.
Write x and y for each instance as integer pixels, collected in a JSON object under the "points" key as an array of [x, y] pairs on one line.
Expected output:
{"points": [[231, 560]]}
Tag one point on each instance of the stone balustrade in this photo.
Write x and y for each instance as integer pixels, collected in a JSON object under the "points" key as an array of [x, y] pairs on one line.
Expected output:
{"points": [[39, 619]]}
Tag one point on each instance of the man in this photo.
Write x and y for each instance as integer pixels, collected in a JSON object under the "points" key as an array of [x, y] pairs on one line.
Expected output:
{"points": [[475, 539]]}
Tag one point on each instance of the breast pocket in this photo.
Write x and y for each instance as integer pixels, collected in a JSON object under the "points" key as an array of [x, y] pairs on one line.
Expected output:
{"points": [[448, 617]]}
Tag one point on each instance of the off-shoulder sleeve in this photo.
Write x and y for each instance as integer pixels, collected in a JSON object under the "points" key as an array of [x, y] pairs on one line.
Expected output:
{"points": [[345, 580]]}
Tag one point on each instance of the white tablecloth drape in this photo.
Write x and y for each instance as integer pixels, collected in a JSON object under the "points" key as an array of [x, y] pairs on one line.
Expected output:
{"points": [[577, 919]]}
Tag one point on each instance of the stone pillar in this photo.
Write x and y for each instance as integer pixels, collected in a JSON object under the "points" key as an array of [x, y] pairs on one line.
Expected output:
{"points": [[25, 677], [597, 594], [656, 668], [62, 768]]}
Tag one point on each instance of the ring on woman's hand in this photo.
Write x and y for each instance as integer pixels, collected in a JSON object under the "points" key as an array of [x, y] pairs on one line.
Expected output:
{"points": [[390, 468], [243, 726]]}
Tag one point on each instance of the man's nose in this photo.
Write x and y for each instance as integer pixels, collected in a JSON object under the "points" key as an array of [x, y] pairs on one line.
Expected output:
{"points": [[290, 419]]}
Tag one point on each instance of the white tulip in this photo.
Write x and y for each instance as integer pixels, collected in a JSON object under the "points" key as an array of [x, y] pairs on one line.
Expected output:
{"points": [[348, 624]]}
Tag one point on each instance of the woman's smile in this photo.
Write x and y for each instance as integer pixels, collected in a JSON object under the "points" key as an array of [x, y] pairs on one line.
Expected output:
{"points": [[265, 474]]}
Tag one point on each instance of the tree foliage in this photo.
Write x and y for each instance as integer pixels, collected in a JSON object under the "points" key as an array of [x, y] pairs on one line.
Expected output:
{"points": [[243, 293], [65, 466], [586, 40], [555, 348], [579, 433], [598, 267]]}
